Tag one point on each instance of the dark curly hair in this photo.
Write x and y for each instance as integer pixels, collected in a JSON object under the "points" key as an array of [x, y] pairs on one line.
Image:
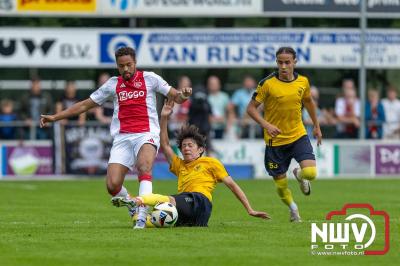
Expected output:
{"points": [[286, 50], [125, 51], [190, 132]]}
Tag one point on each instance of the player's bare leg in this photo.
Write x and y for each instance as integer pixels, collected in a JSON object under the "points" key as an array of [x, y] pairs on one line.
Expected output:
{"points": [[144, 165], [305, 175], [115, 178]]}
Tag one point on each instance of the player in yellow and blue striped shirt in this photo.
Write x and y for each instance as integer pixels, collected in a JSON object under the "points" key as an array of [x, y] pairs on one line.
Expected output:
{"points": [[283, 94]]}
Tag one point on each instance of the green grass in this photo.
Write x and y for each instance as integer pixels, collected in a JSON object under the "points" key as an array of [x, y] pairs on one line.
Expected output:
{"points": [[73, 223]]}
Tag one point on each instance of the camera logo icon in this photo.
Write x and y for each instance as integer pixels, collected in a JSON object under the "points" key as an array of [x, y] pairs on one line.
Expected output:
{"points": [[356, 229]]}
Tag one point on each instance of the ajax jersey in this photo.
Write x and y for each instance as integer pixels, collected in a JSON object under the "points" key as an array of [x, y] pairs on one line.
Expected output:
{"points": [[135, 108]]}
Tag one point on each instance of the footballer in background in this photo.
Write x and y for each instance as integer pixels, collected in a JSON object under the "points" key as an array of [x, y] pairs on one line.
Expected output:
{"points": [[283, 94]]}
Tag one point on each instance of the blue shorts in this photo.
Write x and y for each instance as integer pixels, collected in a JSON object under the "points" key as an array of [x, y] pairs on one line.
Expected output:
{"points": [[194, 209], [277, 159]]}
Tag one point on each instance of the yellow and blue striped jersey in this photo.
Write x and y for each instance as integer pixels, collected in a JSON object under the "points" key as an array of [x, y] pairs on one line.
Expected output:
{"points": [[282, 106]]}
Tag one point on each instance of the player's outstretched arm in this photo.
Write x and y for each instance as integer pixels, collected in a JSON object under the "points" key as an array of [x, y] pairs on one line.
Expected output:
{"points": [[164, 139], [179, 96], [311, 109], [74, 110], [231, 184], [252, 111]]}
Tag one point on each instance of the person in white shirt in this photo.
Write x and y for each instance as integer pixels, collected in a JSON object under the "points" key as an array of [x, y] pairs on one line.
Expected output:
{"points": [[391, 105], [134, 126], [347, 111]]}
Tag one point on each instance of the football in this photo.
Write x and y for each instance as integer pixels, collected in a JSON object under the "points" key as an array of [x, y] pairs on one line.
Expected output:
{"points": [[164, 215]]}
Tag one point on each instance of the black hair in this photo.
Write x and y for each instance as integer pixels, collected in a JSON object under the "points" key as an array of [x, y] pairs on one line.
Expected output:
{"points": [[190, 132], [286, 50], [125, 51]]}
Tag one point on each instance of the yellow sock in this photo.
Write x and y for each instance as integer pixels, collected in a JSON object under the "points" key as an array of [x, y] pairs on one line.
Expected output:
{"points": [[283, 191], [154, 199], [309, 173]]}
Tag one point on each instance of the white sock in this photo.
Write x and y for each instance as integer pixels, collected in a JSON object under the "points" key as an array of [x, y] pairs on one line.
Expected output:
{"points": [[293, 206], [122, 193], [142, 214], [145, 187]]}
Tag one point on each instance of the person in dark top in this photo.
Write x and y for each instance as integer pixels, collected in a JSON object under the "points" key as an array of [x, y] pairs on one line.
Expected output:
{"points": [[34, 103], [68, 99], [199, 114]]}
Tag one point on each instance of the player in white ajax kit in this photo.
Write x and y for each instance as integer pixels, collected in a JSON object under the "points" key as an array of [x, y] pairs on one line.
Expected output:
{"points": [[134, 126]]}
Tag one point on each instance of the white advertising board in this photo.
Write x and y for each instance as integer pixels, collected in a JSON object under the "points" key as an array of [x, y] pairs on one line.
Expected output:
{"points": [[48, 48], [132, 8], [168, 8], [181, 48]]}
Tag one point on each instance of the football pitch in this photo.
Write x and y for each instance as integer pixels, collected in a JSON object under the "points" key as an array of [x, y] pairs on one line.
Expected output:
{"points": [[73, 223]]}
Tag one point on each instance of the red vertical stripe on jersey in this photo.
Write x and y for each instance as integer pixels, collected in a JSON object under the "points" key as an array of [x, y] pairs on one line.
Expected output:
{"points": [[133, 115]]}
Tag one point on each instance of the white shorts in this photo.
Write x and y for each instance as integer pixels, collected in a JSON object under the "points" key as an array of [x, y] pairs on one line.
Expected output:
{"points": [[126, 147]]}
